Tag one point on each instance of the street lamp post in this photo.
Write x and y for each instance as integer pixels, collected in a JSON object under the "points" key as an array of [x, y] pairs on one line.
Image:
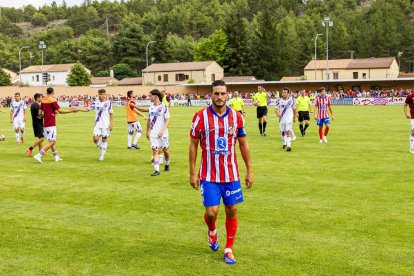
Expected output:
{"points": [[316, 39], [146, 52], [399, 55], [20, 64], [328, 23], [42, 46]]}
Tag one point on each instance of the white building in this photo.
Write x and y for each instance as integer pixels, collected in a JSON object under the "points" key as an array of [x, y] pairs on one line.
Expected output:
{"points": [[57, 74]]}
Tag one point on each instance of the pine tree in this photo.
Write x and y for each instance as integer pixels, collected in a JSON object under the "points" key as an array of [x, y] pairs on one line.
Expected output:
{"points": [[4, 78], [78, 76]]}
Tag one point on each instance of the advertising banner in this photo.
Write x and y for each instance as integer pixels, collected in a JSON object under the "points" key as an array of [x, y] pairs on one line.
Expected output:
{"points": [[379, 101], [338, 101]]}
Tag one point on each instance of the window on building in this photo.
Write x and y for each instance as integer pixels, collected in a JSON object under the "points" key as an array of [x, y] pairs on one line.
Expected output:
{"points": [[32, 78], [37, 78], [53, 77], [213, 77], [336, 76], [159, 78], [165, 77], [187, 77], [364, 75], [48, 77], [179, 77], [355, 75]]}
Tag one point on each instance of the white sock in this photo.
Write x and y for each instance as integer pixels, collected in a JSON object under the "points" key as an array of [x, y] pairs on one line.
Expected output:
{"points": [[167, 161], [17, 136], [157, 166], [104, 146], [411, 141], [22, 132], [213, 232], [98, 144], [137, 136], [288, 140], [292, 133], [227, 250], [283, 139], [130, 134]]}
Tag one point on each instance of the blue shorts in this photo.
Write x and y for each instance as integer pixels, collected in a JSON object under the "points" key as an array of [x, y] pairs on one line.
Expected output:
{"points": [[325, 121], [212, 193]]}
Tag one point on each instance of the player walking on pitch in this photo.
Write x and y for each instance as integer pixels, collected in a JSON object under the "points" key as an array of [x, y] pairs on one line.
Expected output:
{"points": [[47, 111], [261, 97], [157, 130], [37, 123], [322, 104], [409, 101], [286, 111], [237, 103], [103, 121], [217, 128], [304, 107], [18, 117], [133, 124]]}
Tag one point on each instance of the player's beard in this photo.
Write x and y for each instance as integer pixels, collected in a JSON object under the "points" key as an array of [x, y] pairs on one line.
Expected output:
{"points": [[219, 105]]}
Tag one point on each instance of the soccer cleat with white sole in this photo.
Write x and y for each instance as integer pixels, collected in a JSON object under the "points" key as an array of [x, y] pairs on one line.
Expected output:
{"points": [[324, 139], [57, 159], [293, 138], [321, 141], [229, 258], [38, 158], [101, 158], [411, 150], [213, 241]]}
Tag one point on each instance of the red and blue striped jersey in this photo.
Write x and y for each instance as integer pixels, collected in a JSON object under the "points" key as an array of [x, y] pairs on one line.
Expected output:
{"points": [[218, 137], [322, 104]]}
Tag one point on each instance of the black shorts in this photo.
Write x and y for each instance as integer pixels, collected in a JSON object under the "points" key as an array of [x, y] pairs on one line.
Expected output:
{"points": [[241, 111], [303, 115], [261, 111], [38, 132]]}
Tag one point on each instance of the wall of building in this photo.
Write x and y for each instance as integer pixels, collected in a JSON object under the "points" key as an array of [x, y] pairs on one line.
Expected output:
{"points": [[198, 76], [348, 74], [215, 69], [244, 88]]}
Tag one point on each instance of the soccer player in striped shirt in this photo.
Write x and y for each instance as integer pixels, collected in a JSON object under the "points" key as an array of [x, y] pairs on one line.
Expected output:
{"points": [[409, 101], [103, 121], [218, 128], [322, 105]]}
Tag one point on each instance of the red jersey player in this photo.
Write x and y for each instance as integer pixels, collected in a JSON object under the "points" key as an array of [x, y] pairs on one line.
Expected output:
{"points": [[409, 101], [218, 128], [322, 104]]}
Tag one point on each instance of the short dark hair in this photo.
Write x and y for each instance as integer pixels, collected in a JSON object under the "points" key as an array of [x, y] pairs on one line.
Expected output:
{"points": [[217, 83], [156, 92], [101, 90], [50, 90], [37, 95], [321, 89], [287, 89], [129, 93], [17, 93]]}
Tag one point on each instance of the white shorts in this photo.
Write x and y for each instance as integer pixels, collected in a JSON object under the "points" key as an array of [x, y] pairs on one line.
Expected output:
{"points": [[50, 133], [101, 132], [412, 124], [159, 143], [18, 124], [134, 127], [285, 126]]}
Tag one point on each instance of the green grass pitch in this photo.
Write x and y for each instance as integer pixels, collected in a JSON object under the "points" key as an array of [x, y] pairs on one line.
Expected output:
{"points": [[342, 208]]}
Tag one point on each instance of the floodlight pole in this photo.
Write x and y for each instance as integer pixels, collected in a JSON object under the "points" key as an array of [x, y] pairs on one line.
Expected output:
{"points": [[146, 52], [316, 39], [327, 23]]}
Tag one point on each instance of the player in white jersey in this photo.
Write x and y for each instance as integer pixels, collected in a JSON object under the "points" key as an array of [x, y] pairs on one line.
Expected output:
{"points": [[103, 121], [18, 116], [286, 111], [157, 132]]}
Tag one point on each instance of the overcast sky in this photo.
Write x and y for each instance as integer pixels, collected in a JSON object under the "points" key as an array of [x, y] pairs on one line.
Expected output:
{"points": [[35, 3]]}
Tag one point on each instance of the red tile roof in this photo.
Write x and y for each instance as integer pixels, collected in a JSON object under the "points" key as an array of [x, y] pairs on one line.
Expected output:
{"points": [[103, 80], [360, 63], [130, 81], [178, 66]]}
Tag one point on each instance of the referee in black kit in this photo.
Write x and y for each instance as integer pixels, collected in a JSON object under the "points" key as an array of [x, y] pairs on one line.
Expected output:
{"points": [[37, 123]]}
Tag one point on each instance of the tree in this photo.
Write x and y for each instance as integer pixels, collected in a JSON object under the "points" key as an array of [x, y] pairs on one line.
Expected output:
{"points": [[236, 29], [4, 78], [122, 71], [102, 74], [78, 76], [39, 19], [213, 48], [95, 51]]}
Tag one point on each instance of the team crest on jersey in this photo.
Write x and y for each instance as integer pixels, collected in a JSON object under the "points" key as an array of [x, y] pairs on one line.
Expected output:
{"points": [[231, 130]]}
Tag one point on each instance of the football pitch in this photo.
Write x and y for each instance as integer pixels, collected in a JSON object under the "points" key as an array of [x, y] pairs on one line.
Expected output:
{"points": [[341, 208]]}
